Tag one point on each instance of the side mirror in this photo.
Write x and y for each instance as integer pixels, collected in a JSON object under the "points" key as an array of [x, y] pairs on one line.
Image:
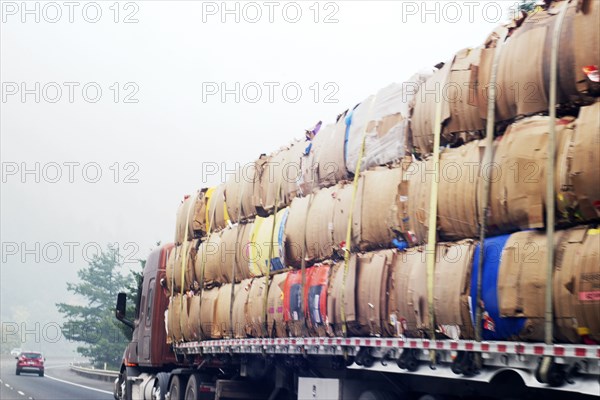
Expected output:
{"points": [[121, 305], [120, 310]]}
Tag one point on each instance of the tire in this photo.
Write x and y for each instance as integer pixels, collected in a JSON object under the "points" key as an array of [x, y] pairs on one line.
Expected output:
{"points": [[161, 386], [191, 390], [376, 395], [41, 374], [18, 371], [177, 387]]}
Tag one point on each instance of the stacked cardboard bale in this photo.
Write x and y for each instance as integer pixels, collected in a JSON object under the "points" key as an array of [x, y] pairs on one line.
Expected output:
{"points": [[381, 122], [454, 86], [240, 191], [279, 176], [323, 163], [292, 209]]}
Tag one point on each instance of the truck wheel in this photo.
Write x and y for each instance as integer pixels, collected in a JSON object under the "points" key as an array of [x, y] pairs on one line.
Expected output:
{"points": [[177, 388], [41, 374], [161, 386], [18, 372], [376, 395], [191, 390]]}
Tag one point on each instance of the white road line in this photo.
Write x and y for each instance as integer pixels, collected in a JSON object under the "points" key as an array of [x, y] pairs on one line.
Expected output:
{"points": [[7, 385], [78, 385], [21, 393]]}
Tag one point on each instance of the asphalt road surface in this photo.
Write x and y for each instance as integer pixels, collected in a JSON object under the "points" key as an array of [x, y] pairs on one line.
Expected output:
{"points": [[59, 383]]}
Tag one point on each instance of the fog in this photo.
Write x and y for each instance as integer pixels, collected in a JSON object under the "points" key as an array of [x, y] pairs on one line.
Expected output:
{"points": [[110, 110]]}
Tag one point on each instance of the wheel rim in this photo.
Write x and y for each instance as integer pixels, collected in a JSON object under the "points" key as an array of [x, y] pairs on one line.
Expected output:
{"points": [[156, 392]]}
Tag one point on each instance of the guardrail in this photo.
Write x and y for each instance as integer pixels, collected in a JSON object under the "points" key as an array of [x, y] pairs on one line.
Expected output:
{"points": [[100, 374]]}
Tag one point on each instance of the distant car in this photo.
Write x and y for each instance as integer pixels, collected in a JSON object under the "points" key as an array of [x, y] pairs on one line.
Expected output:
{"points": [[30, 361], [15, 352]]}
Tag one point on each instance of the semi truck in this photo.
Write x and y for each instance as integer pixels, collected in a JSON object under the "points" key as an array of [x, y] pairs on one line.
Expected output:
{"points": [[373, 310], [364, 368]]}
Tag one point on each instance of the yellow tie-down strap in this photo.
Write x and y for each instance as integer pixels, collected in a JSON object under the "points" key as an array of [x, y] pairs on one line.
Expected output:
{"points": [[432, 224]]}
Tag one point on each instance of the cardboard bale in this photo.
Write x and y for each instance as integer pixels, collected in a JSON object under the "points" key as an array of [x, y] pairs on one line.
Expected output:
{"points": [[231, 241], [518, 178], [185, 257], [524, 67], [578, 168], [238, 318], [194, 317], [278, 182], [227, 253], [316, 299], [267, 247], [275, 321], [239, 193], [170, 268], [457, 208], [379, 212], [408, 312], [208, 261], [582, 34], [419, 195], [458, 189], [174, 319], [371, 292], [320, 226], [308, 179], [295, 228], [494, 326], [342, 211], [217, 209], [522, 282], [577, 286], [223, 313], [291, 171], [381, 121], [401, 223], [187, 330], [322, 163], [255, 308], [208, 308], [242, 255], [191, 216], [294, 303], [455, 86], [452, 283], [329, 158], [342, 293]]}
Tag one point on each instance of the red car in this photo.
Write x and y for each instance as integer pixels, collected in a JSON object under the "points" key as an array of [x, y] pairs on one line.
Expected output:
{"points": [[30, 361]]}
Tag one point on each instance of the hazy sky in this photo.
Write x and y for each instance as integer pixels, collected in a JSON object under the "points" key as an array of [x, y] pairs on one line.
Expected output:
{"points": [[133, 91]]}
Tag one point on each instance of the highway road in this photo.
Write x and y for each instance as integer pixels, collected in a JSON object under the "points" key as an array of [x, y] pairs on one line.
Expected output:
{"points": [[59, 383]]}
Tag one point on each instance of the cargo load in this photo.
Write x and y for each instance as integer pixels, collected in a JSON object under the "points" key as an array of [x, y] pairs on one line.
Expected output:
{"points": [[578, 168], [238, 316], [266, 243], [256, 324], [577, 286], [317, 282], [524, 68], [278, 180], [382, 122], [323, 163], [455, 85], [275, 315]]}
